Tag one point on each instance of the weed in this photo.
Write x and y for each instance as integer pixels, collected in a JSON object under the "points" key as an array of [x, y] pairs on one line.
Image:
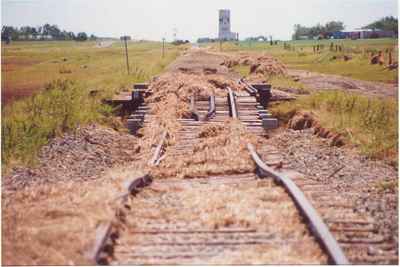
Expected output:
{"points": [[369, 123], [29, 124]]}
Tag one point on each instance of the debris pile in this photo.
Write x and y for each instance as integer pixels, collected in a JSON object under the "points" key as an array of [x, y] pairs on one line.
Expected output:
{"points": [[80, 156], [265, 64], [268, 65], [222, 150]]}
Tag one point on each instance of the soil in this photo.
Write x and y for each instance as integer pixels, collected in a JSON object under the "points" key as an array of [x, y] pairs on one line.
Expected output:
{"points": [[10, 94], [320, 81], [10, 64]]}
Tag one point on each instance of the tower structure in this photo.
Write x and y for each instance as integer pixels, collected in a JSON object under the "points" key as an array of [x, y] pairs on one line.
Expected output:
{"points": [[224, 31]]}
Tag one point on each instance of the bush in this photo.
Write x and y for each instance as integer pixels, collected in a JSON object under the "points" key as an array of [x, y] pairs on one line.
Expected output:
{"points": [[28, 124]]}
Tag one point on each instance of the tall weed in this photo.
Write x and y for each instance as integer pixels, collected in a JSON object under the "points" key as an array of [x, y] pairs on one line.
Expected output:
{"points": [[29, 124]]}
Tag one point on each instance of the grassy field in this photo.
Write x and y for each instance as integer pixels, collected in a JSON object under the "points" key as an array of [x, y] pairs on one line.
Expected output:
{"points": [[28, 66], [55, 81], [301, 56]]}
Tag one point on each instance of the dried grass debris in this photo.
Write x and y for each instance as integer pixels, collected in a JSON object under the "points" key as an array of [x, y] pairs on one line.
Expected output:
{"points": [[222, 149]]}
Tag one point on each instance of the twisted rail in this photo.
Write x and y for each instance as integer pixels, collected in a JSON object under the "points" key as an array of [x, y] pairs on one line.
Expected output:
{"points": [[232, 104], [249, 88], [318, 227], [155, 160], [211, 108]]}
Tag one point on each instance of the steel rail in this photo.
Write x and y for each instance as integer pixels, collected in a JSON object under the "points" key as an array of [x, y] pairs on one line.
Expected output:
{"points": [[248, 87], [193, 110], [157, 153], [318, 227], [232, 104], [211, 107], [104, 230]]}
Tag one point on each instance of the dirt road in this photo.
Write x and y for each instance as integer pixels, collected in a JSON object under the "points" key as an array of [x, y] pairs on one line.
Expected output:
{"points": [[319, 81]]}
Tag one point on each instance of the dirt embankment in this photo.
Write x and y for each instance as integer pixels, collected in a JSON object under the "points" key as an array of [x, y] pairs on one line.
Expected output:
{"points": [[306, 120]]}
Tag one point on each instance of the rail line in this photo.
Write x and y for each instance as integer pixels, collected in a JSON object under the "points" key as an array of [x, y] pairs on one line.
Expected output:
{"points": [[151, 237]]}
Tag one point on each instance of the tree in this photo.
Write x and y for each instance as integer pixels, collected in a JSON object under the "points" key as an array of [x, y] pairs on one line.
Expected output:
{"points": [[300, 31], [317, 30], [71, 36], [9, 33], [81, 36], [384, 24], [334, 26]]}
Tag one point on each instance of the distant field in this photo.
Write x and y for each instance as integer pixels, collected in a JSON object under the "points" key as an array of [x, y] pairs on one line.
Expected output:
{"points": [[28, 66], [301, 56]]}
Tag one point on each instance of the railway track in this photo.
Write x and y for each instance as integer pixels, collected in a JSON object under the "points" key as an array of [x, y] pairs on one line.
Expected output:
{"points": [[234, 218]]}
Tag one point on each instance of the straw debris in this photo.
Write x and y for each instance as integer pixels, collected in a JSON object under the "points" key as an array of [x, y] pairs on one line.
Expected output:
{"points": [[221, 150], [265, 65]]}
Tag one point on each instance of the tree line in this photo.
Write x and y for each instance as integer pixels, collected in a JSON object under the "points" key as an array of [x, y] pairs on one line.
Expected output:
{"points": [[44, 32], [325, 31], [384, 24], [301, 32]]}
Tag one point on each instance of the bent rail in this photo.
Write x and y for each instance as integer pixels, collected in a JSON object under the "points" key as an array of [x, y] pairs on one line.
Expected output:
{"points": [[232, 104], [155, 160], [211, 108], [104, 230], [319, 228], [193, 109], [248, 87]]}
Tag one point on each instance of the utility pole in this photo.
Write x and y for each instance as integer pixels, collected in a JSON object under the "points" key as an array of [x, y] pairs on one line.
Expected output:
{"points": [[220, 45], [163, 47], [125, 38]]}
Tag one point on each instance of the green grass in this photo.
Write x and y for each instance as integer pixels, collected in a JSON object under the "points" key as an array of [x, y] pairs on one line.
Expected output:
{"points": [[371, 124], [33, 64], [63, 100], [301, 56]]}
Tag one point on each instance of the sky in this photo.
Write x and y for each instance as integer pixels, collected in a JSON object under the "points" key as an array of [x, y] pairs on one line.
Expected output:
{"points": [[155, 19]]}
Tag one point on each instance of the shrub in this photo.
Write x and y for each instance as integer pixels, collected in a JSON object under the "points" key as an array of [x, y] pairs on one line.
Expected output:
{"points": [[28, 124]]}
